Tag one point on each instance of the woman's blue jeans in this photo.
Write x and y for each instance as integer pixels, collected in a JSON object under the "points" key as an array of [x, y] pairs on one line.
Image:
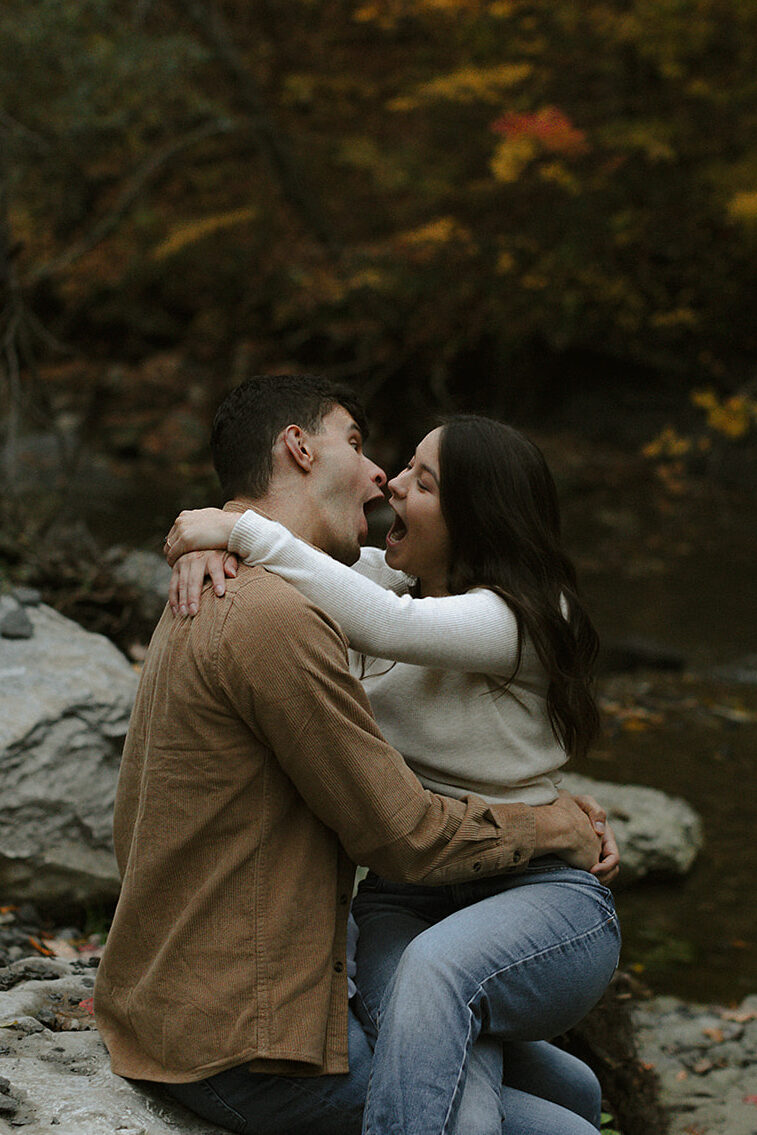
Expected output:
{"points": [[517, 958], [520, 956]]}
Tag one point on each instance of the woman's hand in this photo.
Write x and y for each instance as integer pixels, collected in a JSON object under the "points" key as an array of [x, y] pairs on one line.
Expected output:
{"points": [[189, 574], [608, 865], [197, 529]]}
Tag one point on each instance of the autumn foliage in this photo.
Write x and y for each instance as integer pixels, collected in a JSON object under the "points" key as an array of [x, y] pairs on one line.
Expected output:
{"points": [[429, 198]]}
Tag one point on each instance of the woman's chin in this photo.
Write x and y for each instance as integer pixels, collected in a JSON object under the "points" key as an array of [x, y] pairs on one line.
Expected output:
{"points": [[393, 556]]}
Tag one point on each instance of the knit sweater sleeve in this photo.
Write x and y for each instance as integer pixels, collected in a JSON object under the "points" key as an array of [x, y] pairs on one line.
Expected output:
{"points": [[475, 632]]}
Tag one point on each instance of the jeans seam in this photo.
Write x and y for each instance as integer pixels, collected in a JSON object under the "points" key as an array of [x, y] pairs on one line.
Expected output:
{"points": [[555, 948], [212, 1091]]}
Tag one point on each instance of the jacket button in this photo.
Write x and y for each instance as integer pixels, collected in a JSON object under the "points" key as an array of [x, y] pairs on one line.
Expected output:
{"points": [[477, 866], [343, 900], [338, 967], [516, 857]]}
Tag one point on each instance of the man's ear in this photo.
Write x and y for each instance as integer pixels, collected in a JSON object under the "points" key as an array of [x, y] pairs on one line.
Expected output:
{"points": [[296, 445]]}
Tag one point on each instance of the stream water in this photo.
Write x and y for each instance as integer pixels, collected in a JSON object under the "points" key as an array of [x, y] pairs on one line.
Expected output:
{"points": [[678, 568]]}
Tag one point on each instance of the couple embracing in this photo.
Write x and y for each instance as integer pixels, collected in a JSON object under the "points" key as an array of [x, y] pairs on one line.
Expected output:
{"points": [[319, 707]]}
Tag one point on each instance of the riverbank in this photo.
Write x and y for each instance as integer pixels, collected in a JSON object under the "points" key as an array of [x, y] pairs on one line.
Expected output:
{"points": [[706, 1059], [54, 1071]]}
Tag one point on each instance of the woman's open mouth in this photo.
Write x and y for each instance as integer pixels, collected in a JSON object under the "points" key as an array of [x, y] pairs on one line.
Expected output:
{"points": [[397, 532]]}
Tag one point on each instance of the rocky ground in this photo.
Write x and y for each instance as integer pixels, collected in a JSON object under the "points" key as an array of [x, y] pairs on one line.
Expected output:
{"points": [[54, 1072], [706, 1060]]}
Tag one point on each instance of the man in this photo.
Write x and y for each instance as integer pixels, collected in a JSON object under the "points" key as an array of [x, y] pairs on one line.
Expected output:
{"points": [[253, 779]]}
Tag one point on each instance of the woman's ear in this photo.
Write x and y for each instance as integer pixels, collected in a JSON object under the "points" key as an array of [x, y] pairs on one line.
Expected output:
{"points": [[296, 445]]}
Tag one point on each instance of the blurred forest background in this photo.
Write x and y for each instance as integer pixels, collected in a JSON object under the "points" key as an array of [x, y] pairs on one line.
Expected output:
{"points": [[545, 211]]}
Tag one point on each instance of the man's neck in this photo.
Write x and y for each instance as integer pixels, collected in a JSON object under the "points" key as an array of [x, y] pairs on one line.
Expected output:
{"points": [[294, 512]]}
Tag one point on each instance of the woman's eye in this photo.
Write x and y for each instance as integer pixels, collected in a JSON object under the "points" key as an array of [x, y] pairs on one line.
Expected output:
{"points": [[423, 488]]}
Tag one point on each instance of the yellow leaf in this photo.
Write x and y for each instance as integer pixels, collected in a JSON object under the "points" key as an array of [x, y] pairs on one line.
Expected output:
{"points": [[192, 231], [678, 317], [439, 231], [505, 263], [511, 157], [466, 85], [560, 175], [743, 207]]}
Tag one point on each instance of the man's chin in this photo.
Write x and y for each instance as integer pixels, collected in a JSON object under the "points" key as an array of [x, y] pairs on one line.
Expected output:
{"points": [[347, 553]]}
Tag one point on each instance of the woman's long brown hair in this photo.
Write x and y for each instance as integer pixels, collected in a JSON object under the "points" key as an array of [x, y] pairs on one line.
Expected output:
{"points": [[499, 502]]}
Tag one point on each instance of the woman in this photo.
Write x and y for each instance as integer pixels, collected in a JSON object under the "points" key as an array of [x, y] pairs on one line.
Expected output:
{"points": [[478, 657]]}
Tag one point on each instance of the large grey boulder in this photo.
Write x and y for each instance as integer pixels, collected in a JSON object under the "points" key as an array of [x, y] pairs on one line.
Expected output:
{"points": [[65, 700], [657, 834]]}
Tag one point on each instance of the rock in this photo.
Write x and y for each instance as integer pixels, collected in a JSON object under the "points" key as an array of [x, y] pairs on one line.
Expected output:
{"points": [[706, 1061], [743, 671], [148, 574], [657, 834], [60, 1077], [27, 596], [65, 700], [15, 623]]}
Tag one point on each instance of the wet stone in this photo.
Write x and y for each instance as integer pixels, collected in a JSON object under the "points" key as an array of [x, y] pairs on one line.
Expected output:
{"points": [[8, 1106], [27, 596], [16, 624]]}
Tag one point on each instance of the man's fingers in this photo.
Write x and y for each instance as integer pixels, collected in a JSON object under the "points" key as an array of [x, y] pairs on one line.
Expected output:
{"points": [[604, 872], [594, 811], [609, 858]]}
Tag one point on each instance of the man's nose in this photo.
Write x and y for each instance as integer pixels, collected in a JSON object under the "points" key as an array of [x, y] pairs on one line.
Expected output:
{"points": [[377, 475]]}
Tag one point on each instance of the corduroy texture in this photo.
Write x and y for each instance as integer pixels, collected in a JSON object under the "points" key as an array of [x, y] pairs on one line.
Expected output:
{"points": [[253, 779]]}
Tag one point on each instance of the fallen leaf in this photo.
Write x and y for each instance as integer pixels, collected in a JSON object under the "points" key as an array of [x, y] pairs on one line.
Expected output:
{"points": [[88, 1005], [714, 1034], [740, 1016], [60, 948], [40, 948]]}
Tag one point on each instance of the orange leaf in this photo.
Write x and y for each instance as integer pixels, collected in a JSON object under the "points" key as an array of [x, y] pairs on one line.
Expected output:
{"points": [[42, 949]]}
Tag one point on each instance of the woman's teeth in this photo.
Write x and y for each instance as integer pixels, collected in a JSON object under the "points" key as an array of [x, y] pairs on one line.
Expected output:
{"points": [[397, 532]]}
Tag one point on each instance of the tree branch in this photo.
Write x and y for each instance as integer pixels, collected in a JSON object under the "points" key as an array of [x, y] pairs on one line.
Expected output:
{"points": [[131, 192], [303, 200]]}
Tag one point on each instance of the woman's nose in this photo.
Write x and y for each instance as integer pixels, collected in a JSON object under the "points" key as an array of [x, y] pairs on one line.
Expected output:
{"points": [[397, 485]]}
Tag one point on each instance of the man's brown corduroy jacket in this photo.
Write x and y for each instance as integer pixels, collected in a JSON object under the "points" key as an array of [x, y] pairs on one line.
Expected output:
{"points": [[253, 779]]}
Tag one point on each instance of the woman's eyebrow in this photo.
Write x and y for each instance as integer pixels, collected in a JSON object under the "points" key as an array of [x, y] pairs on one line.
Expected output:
{"points": [[431, 473]]}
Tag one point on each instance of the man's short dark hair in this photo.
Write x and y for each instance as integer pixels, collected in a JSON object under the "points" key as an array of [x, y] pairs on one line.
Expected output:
{"points": [[252, 416]]}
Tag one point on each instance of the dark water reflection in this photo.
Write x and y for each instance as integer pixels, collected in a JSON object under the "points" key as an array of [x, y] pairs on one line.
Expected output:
{"points": [[681, 572]]}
